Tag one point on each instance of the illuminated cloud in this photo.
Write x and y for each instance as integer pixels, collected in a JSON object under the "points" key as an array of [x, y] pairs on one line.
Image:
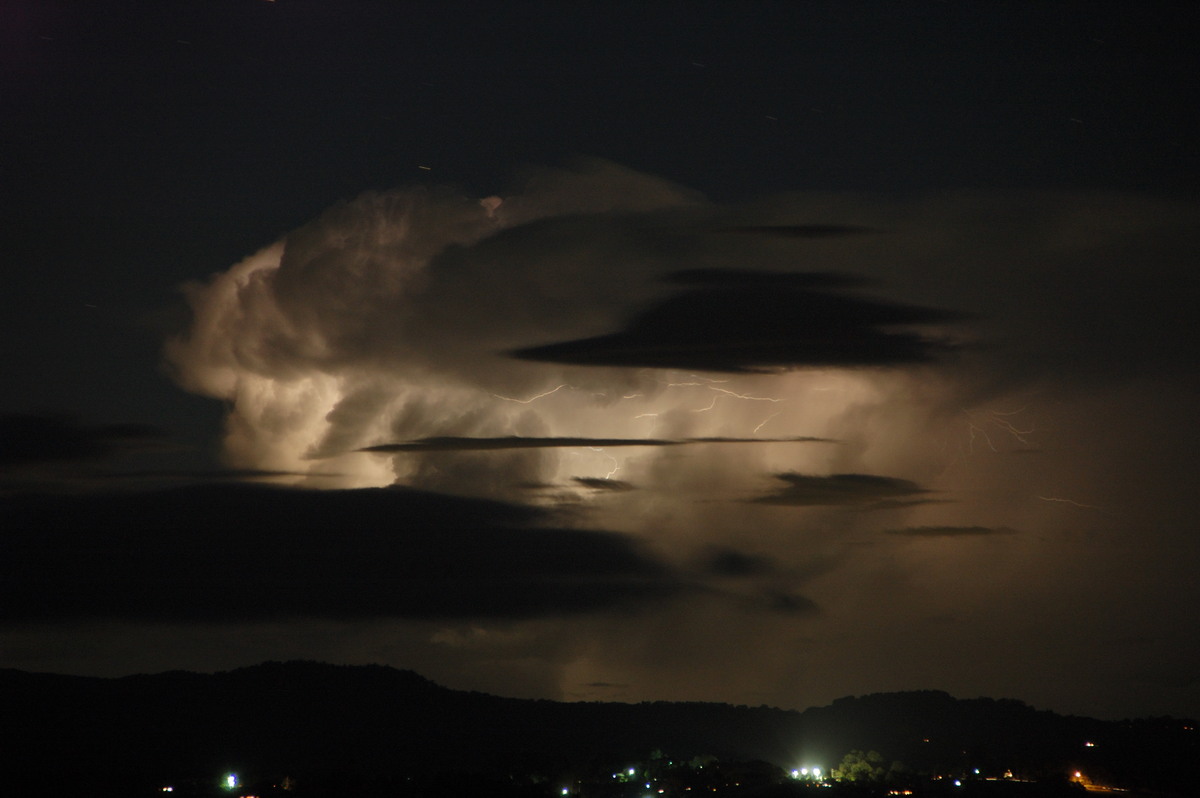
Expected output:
{"points": [[955, 331]]}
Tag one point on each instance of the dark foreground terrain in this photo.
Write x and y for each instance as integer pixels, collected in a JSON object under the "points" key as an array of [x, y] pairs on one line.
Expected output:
{"points": [[310, 729]]}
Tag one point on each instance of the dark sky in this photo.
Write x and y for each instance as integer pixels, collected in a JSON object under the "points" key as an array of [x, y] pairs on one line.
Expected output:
{"points": [[560, 262]]}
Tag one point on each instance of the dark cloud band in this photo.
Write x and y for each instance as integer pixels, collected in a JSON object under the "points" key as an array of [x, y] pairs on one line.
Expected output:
{"points": [[467, 444], [803, 490], [758, 322], [236, 552], [950, 531]]}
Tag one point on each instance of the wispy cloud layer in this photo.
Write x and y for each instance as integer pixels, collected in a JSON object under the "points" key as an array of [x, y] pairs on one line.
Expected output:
{"points": [[803, 490]]}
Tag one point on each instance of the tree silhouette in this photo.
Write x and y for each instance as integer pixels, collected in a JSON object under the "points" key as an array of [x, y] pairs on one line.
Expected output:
{"points": [[857, 766]]}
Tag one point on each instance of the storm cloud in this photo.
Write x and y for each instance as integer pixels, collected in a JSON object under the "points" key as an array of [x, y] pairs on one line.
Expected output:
{"points": [[921, 341]]}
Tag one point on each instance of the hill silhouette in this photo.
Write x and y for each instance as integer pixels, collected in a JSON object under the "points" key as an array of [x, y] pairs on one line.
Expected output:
{"points": [[130, 735]]}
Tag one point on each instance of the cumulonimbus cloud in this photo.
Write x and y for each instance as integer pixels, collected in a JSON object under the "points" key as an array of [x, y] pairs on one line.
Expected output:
{"points": [[389, 319], [646, 316]]}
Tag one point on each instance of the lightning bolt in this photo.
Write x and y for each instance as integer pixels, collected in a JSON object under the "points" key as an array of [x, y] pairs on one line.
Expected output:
{"points": [[763, 423], [999, 420], [704, 381], [616, 466], [971, 443], [532, 398], [745, 396]]}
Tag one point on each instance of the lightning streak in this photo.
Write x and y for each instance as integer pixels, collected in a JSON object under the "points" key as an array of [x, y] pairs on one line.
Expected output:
{"points": [[702, 381], [616, 466], [999, 420], [1071, 502], [532, 398], [745, 396], [1008, 427], [763, 423], [971, 443]]}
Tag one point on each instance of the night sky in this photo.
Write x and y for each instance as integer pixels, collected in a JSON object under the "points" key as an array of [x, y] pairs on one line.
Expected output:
{"points": [[751, 352]]}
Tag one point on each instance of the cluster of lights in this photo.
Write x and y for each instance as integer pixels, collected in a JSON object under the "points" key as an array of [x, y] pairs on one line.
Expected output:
{"points": [[807, 773]]}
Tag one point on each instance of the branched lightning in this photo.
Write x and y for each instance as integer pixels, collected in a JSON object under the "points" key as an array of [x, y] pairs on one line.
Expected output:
{"points": [[999, 420], [616, 466], [971, 443]]}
